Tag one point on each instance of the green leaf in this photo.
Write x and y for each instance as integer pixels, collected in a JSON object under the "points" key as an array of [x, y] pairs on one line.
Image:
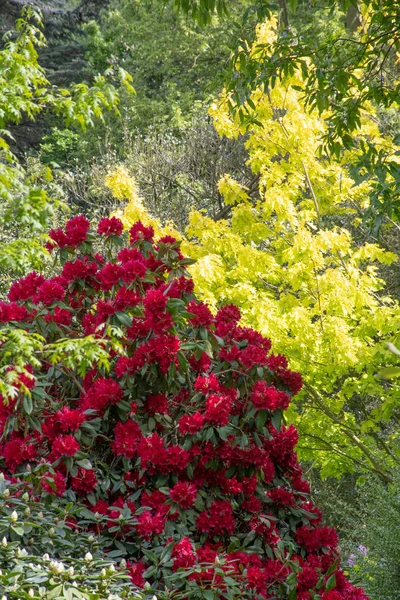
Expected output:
{"points": [[261, 419], [27, 404]]}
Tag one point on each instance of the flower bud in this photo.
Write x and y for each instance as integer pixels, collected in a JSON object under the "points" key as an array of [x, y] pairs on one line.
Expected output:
{"points": [[31, 593], [91, 539], [122, 564], [103, 573], [46, 557], [52, 531], [6, 493], [14, 516], [56, 567], [88, 556], [4, 542], [112, 569], [70, 571], [25, 497], [27, 511], [146, 586]]}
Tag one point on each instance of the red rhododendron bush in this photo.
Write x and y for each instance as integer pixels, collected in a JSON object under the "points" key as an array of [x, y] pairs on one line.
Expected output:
{"points": [[166, 421]]}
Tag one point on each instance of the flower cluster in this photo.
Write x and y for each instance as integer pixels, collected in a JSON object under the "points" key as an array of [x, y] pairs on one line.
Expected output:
{"points": [[176, 443]]}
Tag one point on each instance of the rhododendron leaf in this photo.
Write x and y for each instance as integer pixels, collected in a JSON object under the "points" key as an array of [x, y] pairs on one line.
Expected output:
{"points": [[261, 419], [276, 419], [27, 404], [331, 583], [84, 463], [124, 319]]}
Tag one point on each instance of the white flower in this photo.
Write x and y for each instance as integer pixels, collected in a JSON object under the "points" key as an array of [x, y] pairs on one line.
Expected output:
{"points": [[23, 552], [31, 593], [88, 556], [14, 516], [46, 557], [56, 567]]}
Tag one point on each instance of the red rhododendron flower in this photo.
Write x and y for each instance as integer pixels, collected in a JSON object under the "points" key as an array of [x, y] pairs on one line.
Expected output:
{"points": [[70, 420], [79, 269], [150, 525], [12, 312], [218, 519], [60, 316], [127, 439], [281, 497], [18, 451], [268, 397], [307, 579], [101, 394], [85, 481], [184, 494], [64, 445], [50, 291], [25, 288], [191, 423], [203, 316], [218, 408], [292, 380], [183, 555], [112, 226], [133, 270], [136, 571], [54, 484], [139, 232], [156, 403], [314, 539], [110, 275], [76, 230]]}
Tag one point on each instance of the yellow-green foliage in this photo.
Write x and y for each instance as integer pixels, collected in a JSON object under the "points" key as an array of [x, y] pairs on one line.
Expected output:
{"points": [[300, 279]]}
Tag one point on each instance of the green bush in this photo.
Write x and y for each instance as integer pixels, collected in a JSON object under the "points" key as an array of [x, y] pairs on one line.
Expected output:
{"points": [[45, 552], [374, 561]]}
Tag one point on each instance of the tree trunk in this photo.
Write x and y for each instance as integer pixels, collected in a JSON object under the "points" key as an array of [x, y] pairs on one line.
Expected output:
{"points": [[353, 18]]}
